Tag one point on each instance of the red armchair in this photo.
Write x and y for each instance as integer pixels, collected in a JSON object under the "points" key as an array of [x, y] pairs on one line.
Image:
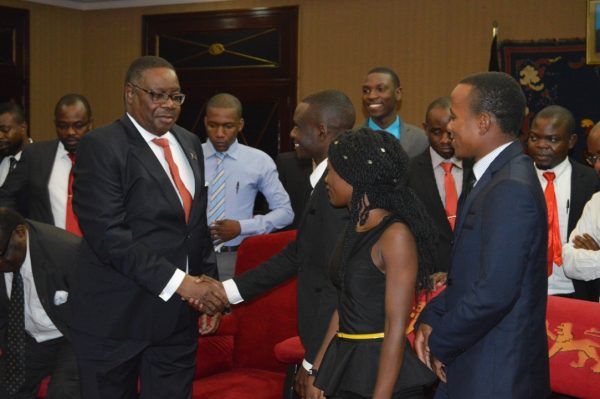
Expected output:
{"points": [[238, 361]]}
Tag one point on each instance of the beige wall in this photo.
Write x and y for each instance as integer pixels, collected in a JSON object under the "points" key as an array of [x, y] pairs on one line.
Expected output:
{"points": [[431, 43]]}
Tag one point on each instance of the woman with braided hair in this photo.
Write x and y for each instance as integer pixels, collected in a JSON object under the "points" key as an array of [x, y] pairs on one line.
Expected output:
{"points": [[383, 258]]}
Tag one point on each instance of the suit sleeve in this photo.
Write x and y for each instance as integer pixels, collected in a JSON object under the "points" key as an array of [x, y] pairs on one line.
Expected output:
{"points": [[509, 222], [99, 201], [269, 274]]}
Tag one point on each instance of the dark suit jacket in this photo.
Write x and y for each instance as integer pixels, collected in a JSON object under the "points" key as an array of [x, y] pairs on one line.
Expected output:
{"points": [[135, 235], [489, 323], [53, 252], [294, 174], [422, 180], [308, 258], [26, 187], [584, 183]]}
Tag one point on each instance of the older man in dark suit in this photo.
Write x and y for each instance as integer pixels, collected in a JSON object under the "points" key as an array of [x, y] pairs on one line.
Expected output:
{"points": [[140, 197], [485, 334], [36, 265]]}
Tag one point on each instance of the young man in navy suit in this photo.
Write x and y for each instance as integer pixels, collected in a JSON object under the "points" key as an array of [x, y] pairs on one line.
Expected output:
{"points": [[485, 334]]}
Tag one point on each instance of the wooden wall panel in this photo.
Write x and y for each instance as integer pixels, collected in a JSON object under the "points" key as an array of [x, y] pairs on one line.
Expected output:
{"points": [[430, 43], [56, 45]]}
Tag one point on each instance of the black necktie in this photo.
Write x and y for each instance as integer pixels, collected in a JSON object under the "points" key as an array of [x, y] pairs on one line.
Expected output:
{"points": [[13, 163], [15, 350], [469, 182]]}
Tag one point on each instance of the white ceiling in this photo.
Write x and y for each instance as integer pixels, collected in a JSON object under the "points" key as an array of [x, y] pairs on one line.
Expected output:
{"points": [[105, 4]]}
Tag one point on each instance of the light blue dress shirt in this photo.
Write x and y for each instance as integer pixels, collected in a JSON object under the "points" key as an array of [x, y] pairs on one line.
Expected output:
{"points": [[248, 171], [394, 128]]}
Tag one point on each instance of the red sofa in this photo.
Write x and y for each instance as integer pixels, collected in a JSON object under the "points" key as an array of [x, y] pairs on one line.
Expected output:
{"points": [[238, 361]]}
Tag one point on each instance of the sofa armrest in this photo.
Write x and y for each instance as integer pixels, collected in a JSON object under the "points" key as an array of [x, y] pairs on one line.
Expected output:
{"points": [[215, 352]]}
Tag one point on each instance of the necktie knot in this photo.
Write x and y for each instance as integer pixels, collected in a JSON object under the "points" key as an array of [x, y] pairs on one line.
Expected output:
{"points": [[549, 176], [164, 143], [71, 157], [221, 156], [447, 166]]}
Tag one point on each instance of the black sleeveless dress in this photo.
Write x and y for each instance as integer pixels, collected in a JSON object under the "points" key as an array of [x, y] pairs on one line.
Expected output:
{"points": [[350, 365]]}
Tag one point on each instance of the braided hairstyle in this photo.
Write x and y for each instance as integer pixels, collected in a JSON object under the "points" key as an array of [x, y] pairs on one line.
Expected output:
{"points": [[375, 164]]}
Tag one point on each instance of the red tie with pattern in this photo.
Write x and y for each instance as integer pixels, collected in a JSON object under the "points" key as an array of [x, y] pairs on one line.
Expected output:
{"points": [[71, 223], [451, 195], [554, 241], [186, 198]]}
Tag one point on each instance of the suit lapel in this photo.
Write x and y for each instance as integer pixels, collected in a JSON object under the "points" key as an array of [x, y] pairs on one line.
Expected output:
{"points": [[47, 164], [434, 199], [141, 150], [502, 159]]}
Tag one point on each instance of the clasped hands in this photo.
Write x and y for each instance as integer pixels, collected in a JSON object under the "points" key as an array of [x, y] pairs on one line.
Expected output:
{"points": [[204, 294], [422, 349]]}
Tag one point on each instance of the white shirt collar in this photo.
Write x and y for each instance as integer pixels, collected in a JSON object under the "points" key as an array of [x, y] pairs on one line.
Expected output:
{"points": [[437, 159], [317, 173], [558, 169], [481, 166]]}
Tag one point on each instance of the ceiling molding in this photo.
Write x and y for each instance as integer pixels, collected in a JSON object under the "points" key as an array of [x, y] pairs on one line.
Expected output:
{"points": [[85, 5]]}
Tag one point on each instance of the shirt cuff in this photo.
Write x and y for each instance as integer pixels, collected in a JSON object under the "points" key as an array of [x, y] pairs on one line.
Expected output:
{"points": [[248, 227], [232, 292], [172, 285], [307, 366]]}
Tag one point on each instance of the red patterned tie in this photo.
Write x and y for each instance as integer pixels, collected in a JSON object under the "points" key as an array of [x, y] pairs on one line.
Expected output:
{"points": [[451, 195], [71, 223], [186, 198], [554, 241]]}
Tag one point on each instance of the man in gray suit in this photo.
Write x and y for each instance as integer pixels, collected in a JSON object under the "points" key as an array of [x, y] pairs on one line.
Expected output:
{"points": [[381, 96]]}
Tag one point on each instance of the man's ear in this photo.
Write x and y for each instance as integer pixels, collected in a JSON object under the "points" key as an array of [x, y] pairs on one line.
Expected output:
{"points": [[398, 93], [484, 122], [572, 140], [241, 124], [128, 93]]}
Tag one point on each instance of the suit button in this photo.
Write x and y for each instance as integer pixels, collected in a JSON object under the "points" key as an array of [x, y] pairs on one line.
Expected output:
{"points": [[449, 282], [451, 242]]}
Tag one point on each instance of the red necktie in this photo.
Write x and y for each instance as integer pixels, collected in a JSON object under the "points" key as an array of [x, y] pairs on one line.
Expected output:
{"points": [[451, 195], [186, 198], [71, 223], [554, 241]]}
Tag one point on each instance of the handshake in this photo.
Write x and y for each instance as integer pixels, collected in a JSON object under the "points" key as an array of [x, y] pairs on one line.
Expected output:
{"points": [[204, 294]]}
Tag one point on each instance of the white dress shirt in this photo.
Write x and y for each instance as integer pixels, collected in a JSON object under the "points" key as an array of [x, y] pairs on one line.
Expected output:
{"points": [[58, 186], [440, 174], [187, 177], [558, 282], [584, 264], [37, 323]]}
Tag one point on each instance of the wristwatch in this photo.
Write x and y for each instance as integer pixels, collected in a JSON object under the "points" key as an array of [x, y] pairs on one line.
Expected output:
{"points": [[312, 372]]}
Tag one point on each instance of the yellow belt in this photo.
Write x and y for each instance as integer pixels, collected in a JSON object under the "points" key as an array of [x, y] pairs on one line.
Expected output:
{"points": [[360, 336]]}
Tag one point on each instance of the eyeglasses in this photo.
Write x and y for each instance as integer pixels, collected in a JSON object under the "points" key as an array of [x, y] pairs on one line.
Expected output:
{"points": [[79, 125], [592, 158], [161, 98]]}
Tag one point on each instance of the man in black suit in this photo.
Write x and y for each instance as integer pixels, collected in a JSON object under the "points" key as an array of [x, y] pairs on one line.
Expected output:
{"points": [[36, 265], [39, 185], [13, 137], [140, 197], [551, 136], [427, 177], [294, 174], [318, 119]]}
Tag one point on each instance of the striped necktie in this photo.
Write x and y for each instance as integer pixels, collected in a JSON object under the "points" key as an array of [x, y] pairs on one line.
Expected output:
{"points": [[216, 195]]}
